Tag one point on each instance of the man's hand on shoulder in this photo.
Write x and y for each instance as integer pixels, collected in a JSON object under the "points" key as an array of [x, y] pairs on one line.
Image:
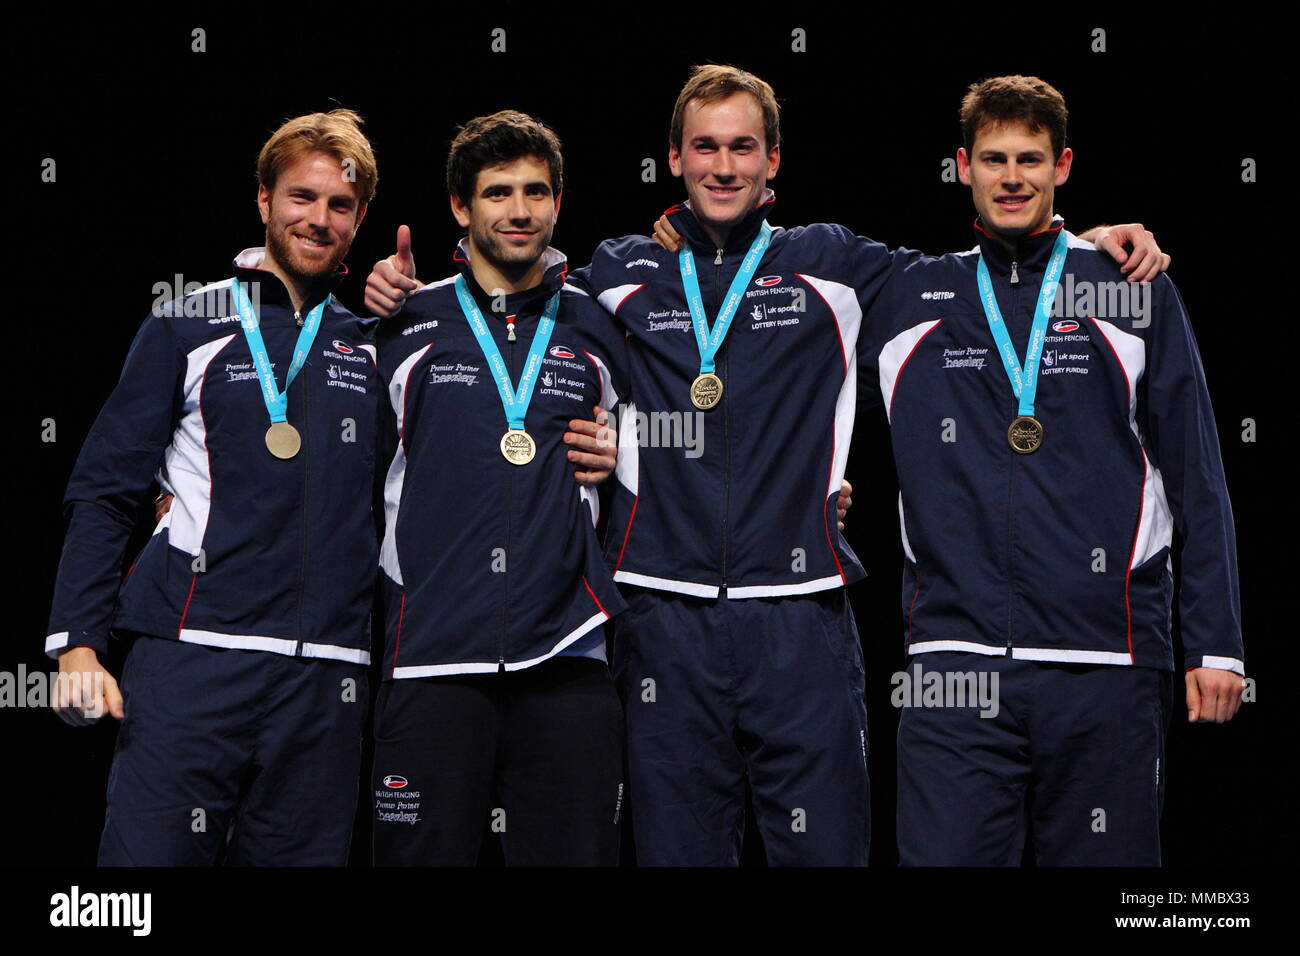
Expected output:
{"points": [[594, 446], [393, 279], [1213, 695], [666, 235], [1133, 246]]}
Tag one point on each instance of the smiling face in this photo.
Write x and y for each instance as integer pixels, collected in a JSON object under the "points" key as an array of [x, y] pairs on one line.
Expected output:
{"points": [[1013, 177], [511, 215], [724, 160], [311, 216]]}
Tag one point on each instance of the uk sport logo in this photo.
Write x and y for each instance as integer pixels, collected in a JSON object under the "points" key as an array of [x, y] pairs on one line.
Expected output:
{"points": [[768, 280], [342, 347], [1065, 325], [395, 781], [559, 351]]}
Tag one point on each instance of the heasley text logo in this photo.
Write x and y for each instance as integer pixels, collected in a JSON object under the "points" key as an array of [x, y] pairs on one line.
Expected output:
{"points": [[768, 280], [1065, 325]]}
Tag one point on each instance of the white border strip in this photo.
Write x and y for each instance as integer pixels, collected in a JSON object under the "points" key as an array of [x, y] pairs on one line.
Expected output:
{"points": [[336, 652], [1063, 655], [926, 647], [488, 667], [1225, 664], [442, 670], [56, 642], [241, 642], [597, 619], [778, 590], [667, 584]]}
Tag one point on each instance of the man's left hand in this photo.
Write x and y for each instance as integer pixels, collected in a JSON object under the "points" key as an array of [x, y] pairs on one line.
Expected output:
{"points": [[1213, 695], [593, 445]]}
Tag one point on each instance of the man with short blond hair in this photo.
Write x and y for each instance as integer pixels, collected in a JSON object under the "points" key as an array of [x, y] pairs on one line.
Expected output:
{"points": [[254, 403]]}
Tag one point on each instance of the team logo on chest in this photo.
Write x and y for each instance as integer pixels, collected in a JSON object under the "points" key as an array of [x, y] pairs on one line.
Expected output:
{"points": [[454, 373], [971, 356]]}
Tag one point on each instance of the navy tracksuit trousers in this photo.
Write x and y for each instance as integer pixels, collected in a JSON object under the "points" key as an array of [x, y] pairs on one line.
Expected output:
{"points": [[249, 757], [1072, 754], [534, 754], [764, 690]]}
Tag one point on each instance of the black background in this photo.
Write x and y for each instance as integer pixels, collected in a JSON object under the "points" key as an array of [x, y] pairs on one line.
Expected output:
{"points": [[155, 148]]}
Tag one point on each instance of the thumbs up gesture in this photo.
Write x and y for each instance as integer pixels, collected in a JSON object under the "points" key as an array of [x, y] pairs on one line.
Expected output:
{"points": [[392, 279]]}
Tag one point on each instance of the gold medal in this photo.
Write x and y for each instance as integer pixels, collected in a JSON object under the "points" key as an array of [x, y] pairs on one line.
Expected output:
{"points": [[518, 447], [1025, 435], [283, 440], [706, 391]]}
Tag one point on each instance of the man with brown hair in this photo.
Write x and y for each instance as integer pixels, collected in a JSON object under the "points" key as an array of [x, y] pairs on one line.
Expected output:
{"points": [[254, 401], [497, 706], [1038, 520]]}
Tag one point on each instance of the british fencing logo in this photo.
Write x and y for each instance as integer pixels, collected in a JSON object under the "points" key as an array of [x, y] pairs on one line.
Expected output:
{"points": [[401, 807], [768, 280], [1065, 325], [559, 351], [342, 347]]}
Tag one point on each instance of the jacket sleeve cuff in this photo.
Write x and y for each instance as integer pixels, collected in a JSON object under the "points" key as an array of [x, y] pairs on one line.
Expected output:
{"points": [[1233, 664], [57, 643]]}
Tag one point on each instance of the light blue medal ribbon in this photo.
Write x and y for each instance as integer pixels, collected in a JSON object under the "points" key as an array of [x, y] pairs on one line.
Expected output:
{"points": [[518, 448], [710, 340], [1024, 380], [277, 402]]}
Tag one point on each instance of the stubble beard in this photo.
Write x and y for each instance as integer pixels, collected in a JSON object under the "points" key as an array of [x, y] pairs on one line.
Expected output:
{"points": [[510, 262], [281, 250]]}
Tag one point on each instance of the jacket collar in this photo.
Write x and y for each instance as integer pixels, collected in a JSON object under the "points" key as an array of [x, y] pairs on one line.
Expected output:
{"points": [[529, 301], [248, 268], [683, 220], [1028, 252]]}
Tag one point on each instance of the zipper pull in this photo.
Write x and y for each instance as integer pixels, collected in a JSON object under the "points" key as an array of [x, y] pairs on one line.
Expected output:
{"points": [[297, 317], [1015, 277], [718, 261], [510, 330]]}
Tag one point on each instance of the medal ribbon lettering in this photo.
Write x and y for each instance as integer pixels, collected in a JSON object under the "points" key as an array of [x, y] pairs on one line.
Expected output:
{"points": [[1024, 382], [515, 402], [710, 341], [277, 402]]}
